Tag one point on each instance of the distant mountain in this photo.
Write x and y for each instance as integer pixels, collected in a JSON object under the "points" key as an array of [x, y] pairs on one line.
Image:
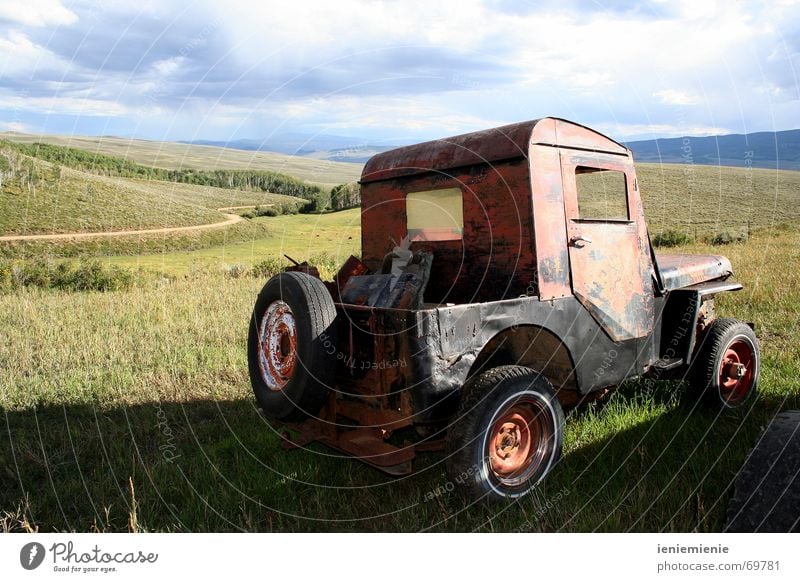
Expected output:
{"points": [[337, 148], [765, 149]]}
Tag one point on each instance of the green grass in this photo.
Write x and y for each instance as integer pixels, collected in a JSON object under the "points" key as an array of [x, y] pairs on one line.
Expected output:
{"points": [[132, 410], [703, 201], [716, 211], [149, 245], [171, 155], [42, 198], [298, 235]]}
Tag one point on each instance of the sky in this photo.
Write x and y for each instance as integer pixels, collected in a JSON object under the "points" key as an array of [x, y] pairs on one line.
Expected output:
{"points": [[389, 72]]}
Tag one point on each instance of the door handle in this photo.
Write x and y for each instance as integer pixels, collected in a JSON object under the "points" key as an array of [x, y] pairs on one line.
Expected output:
{"points": [[580, 239]]}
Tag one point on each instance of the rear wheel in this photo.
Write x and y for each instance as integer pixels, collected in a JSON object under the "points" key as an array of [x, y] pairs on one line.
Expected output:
{"points": [[289, 353], [726, 368], [507, 434]]}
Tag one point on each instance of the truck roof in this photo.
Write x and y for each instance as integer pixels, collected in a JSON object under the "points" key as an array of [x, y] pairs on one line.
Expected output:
{"points": [[490, 145]]}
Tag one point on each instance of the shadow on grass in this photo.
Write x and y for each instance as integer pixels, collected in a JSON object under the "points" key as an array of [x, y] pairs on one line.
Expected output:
{"points": [[218, 466]]}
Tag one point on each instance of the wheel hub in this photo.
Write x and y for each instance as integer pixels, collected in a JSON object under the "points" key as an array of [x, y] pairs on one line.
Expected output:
{"points": [[278, 345], [517, 443], [736, 371]]}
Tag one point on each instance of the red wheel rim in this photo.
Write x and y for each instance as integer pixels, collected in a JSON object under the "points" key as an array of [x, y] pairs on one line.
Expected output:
{"points": [[519, 443], [736, 372], [277, 354]]}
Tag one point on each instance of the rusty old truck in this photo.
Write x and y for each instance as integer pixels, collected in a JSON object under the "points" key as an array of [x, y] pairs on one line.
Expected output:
{"points": [[505, 276]]}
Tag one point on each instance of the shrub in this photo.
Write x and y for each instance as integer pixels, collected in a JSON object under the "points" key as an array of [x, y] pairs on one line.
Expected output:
{"points": [[267, 211], [236, 271], [249, 214], [726, 238], [6, 282], [265, 269], [671, 238], [317, 203], [86, 276], [93, 276]]}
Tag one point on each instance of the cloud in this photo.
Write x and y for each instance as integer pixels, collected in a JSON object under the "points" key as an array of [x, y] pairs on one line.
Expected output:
{"points": [[643, 131], [675, 97], [415, 68], [59, 105], [14, 126], [37, 13]]}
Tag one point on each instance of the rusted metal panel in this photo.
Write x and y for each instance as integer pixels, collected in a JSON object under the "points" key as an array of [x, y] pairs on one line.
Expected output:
{"points": [[352, 267], [550, 231], [495, 258], [679, 271], [480, 147], [609, 260], [487, 146], [567, 134]]}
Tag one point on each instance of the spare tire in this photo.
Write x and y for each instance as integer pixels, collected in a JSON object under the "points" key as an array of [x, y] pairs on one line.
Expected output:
{"points": [[767, 491], [291, 346]]}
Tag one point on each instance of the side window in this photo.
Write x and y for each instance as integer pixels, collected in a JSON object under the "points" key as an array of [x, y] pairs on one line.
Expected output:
{"points": [[435, 215], [602, 194]]}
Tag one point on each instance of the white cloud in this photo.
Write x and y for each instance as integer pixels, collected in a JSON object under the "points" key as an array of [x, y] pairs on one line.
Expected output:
{"points": [[166, 67], [675, 97], [628, 131], [37, 12], [56, 105], [14, 126], [19, 56]]}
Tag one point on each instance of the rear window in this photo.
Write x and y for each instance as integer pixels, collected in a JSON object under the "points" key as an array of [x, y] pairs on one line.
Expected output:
{"points": [[435, 215], [602, 194]]}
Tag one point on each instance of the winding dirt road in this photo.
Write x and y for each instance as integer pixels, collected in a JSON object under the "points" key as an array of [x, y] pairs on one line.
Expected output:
{"points": [[232, 219]]}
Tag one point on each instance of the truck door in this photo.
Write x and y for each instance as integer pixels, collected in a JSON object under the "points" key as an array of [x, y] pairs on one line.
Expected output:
{"points": [[610, 264]]}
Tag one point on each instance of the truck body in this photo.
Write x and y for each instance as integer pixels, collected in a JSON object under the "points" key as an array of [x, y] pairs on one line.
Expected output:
{"points": [[529, 249]]}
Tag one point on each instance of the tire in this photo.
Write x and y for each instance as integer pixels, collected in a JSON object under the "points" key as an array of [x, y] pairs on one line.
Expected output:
{"points": [[493, 452], [288, 346], [726, 368], [766, 494]]}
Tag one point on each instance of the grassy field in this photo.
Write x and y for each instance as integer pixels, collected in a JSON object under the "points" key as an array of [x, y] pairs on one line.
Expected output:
{"points": [[182, 156], [300, 236], [41, 198], [735, 201], [706, 200], [132, 410], [141, 417]]}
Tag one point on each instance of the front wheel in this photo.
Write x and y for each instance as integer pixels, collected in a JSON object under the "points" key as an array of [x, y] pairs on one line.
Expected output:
{"points": [[507, 434], [725, 370]]}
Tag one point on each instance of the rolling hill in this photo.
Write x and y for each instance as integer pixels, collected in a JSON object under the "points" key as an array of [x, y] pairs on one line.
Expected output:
{"points": [[40, 197], [172, 155]]}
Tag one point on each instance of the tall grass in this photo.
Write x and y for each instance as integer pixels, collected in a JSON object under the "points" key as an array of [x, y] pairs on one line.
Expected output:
{"points": [[132, 410]]}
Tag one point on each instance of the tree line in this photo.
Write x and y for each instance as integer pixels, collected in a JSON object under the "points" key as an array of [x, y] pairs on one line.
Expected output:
{"points": [[248, 180], [345, 196]]}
